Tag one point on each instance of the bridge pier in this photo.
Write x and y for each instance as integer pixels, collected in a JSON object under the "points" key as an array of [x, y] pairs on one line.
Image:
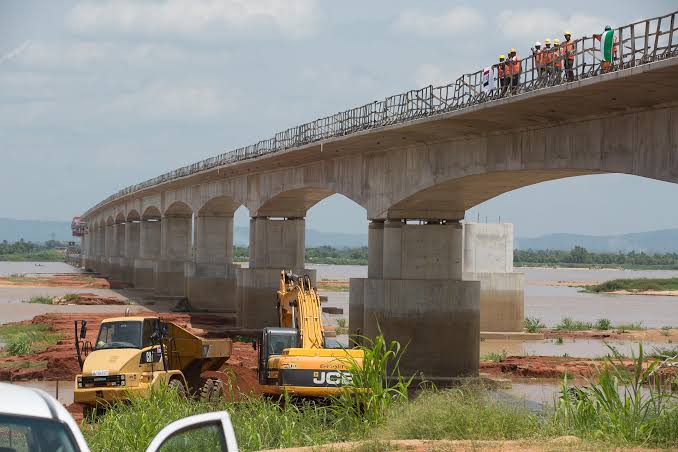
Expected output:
{"points": [[211, 278], [130, 250], [275, 244], [415, 294], [149, 252], [116, 251], [175, 252]]}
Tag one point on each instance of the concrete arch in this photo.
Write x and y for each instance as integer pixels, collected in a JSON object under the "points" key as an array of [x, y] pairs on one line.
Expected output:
{"points": [[151, 213], [295, 202], [178, 209], [451, 199], [109, 221], [219, 206], [120, 218], [133, 215]]}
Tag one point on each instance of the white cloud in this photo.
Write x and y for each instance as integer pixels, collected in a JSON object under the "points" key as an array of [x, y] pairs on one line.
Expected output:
{"points": [[170, 101], [432, 74], [194, 18], [454, 21], [539, 24], [15, 52]]}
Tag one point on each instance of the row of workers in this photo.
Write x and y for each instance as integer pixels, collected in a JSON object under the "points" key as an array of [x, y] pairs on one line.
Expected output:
{"points": [[549, 61]]}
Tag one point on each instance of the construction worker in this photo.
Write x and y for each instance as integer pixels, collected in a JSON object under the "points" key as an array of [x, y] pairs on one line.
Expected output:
{"points": [[547, 58], [569, 53], [501, 73], [605, 64], [536, 55], [557, 60], [514, 64]]}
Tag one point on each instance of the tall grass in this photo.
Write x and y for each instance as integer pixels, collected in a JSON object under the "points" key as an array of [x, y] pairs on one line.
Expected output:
{"points": [[26, 338], [622, 406], [533, 324], [376, 383]]}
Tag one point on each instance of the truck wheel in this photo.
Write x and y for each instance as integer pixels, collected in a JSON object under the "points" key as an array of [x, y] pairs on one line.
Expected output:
{"points": [[212, 390], [176, 385]]}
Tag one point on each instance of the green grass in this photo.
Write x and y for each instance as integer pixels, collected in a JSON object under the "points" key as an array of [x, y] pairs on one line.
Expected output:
{"points": [[27, 338], [533, 325], [333, 287], [635, 285], [25, 364], [72, 297], [342, 326], [626, 327], [609, 411], [558, 341], [494, 357], [567, 324], [51, 255], [40, 299], [603, 324]]}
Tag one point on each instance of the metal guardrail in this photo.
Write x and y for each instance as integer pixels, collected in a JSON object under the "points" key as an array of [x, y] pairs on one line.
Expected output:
{"points": [[635, 44]]}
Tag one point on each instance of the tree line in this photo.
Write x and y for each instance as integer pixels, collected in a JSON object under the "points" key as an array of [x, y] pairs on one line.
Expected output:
{"points": [[581, 256]]}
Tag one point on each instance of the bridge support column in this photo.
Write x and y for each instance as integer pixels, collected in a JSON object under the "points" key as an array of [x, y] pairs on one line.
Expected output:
{"points": [[130, 251], [488, 258], [275, 245], [104, 264], [174, 255], [118, 240], [149, 252], [86, 249], [211, 279], [420, 298]]}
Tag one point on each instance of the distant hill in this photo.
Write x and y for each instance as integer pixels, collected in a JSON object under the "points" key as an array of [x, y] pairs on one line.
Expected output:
{"points": [[662, 241], [313, 238], [34, 230]]}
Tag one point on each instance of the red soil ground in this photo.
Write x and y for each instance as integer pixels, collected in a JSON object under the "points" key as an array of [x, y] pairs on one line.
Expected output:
{"points": [[75, 281]]}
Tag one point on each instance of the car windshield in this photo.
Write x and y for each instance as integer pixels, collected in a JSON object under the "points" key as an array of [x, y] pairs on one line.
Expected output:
{"points": [[279, 342], [125, 334], [24, 434]]}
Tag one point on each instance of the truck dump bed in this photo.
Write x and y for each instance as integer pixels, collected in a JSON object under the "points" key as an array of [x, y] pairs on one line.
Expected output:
{"points": [[190, 353]]}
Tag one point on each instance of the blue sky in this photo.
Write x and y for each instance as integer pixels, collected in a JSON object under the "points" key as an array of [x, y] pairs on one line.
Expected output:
{"points": [[98, 95]]}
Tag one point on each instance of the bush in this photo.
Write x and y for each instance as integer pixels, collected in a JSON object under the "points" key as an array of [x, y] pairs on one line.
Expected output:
{"points": [[532, 324], [567, 324], [494, 357], [40, 299], [603, 324]]}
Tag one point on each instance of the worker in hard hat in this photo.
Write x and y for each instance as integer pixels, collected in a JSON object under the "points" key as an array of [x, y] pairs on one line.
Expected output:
{"points": [[547, 58], [569, 53], [501, 73], [557, 60], [514, 64], [609, 54], [537, 57]]}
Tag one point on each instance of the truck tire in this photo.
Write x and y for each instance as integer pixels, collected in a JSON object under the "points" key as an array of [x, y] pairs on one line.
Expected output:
{"points": [[177, 385], [212, 390]]}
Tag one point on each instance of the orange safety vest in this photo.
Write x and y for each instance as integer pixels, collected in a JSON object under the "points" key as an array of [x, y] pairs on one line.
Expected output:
{"points": [[537, 58], [568, 50], [558, 57], [547, 57], [500, 69], [516, 65]]}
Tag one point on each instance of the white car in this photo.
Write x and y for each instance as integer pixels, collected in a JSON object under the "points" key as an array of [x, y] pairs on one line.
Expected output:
{"points": [[32, 420]]}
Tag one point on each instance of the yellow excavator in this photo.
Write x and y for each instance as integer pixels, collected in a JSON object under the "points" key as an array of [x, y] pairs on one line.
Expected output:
{"points": [[134, 354], [293, 357]]}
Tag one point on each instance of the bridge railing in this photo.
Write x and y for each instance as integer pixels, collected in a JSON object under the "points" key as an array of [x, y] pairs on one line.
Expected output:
{"points": [[635, 44]]}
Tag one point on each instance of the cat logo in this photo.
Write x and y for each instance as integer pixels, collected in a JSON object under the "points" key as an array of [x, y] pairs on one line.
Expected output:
{"points": [[332, 378]]}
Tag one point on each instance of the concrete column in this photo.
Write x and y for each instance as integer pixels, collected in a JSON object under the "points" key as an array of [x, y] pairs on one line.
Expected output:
{"points": [[275, 245], [211, 278], [84, 254], [175, 252], [107, 238], [101, 247], [130, 251], [488, 258], [149, 253], [375, 269], [117, 242], [421, 300]]}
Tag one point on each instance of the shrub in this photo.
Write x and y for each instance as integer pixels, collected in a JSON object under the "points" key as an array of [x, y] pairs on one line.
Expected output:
{"points": [[603, 324], [567, 324], [19, 344], [41, 299], [495, 357], [532, 324]]}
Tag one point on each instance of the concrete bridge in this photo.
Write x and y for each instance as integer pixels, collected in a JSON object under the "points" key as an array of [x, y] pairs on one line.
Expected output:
{"points": [[416, 162]]}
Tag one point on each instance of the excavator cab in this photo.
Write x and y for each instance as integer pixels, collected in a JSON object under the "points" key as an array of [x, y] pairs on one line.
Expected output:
{"points": [[273, 342]]}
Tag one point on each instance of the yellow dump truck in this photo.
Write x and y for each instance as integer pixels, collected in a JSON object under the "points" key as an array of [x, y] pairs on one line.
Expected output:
{"points": [[293, 357], [133, 354]]}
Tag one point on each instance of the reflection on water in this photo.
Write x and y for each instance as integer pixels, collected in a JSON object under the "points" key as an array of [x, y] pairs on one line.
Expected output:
{"points": [[580, 348], [10, 268]]}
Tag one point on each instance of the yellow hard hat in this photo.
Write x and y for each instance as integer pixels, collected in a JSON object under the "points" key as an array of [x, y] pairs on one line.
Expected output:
{"points": [[567, 33], [556, 41], [513, 50], [502, 57], [547, 41]]}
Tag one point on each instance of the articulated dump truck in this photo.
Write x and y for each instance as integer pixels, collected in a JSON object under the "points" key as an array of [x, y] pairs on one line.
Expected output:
{"points": [[135, 354]]}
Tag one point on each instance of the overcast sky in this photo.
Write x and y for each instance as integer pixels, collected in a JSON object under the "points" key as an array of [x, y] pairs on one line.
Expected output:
{"points": [[98, 95]]}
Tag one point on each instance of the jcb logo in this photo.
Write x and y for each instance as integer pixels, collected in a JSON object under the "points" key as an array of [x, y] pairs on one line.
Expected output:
{"points": [[333, 378]]}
